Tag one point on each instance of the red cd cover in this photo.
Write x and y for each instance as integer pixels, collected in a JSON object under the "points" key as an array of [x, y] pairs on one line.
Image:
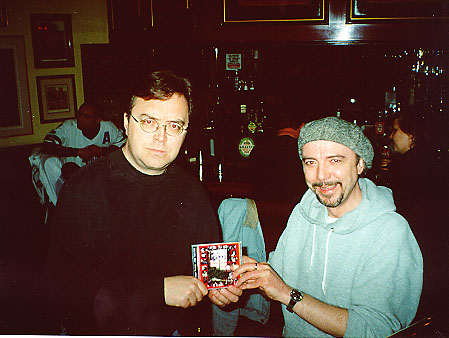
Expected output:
{"points": [[213, 262]]}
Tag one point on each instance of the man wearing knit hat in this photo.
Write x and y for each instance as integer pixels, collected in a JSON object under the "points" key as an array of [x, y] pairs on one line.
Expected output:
{"points": [[347, 264]]}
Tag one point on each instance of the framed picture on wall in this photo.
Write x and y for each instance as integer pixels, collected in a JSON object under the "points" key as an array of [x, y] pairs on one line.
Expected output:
{"points": [[313, 11], [374, 10], [15, 113], [57, 97], [52, 40]]}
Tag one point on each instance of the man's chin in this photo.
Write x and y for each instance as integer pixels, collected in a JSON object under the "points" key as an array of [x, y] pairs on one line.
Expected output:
{"points": [[328, 202]]}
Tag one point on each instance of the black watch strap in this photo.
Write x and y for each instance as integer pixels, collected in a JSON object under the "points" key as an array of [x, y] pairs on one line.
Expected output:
{"points": [[295, 297]]}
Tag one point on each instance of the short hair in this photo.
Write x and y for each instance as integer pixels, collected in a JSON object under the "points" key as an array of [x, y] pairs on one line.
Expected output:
{"points": [[413, 124], [162, 85], [94, 106]]}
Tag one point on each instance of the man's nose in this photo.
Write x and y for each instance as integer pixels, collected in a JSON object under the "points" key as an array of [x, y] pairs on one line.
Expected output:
{"points": [[160, 133], [322, 172]]}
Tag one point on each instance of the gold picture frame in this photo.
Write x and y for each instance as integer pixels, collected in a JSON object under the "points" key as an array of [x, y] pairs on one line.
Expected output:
{"points": [[365, 11], [57, 97], [307, 11]]}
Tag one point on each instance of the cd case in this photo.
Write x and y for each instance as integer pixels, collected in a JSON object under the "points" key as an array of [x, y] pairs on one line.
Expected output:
{"points": [[213, 262]]}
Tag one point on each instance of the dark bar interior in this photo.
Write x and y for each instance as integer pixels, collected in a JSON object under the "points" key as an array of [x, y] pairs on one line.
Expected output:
{"points": [[256, 68]]}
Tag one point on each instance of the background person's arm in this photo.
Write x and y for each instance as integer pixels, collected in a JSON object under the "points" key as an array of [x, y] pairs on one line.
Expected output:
{"points": [[54, 149]]}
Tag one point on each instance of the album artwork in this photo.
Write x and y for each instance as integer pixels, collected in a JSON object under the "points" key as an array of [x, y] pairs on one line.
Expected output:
{"points": [[213, 262]]}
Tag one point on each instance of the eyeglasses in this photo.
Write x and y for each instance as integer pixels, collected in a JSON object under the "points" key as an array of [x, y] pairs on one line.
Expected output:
{"points": [[151, 125]]}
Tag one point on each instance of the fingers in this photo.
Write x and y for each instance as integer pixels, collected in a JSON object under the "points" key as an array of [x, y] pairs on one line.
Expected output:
{"points": [[246, 259], [225, 296], [252, 275], [183, 291], [192, 297], [250, 266], [234, 290], [203, 289], [198, 289], [217, 298], [251, 284], [247, 278], [244, 268]]}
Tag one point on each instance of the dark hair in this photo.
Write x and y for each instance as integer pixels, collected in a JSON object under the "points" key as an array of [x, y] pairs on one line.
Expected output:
{"points": [[94, 106], [161, 85], [412, 123]]}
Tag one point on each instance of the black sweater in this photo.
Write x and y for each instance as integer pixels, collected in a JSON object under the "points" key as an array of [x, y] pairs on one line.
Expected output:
{"points": [[118, 233]]}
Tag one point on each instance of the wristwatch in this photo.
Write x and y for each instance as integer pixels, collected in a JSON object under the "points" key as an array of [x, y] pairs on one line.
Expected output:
{"points": [[295, 297]]}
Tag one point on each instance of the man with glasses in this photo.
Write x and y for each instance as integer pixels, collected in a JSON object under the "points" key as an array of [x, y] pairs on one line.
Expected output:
{"points": [[120, 256]]}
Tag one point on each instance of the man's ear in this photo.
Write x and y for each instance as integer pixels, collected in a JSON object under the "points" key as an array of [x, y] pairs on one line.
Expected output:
{"points": [[126, 122], [411, 141], [360, 166]]}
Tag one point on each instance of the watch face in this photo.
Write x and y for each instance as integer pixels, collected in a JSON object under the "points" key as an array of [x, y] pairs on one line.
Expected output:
{"points": [[296, 295]]}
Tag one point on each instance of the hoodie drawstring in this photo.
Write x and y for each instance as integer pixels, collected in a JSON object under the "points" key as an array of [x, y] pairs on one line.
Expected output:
{"points": [[323, 283], [313, 246]]}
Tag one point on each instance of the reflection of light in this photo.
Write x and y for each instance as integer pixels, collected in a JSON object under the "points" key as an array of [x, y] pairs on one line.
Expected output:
{"points": [[345, 33]]}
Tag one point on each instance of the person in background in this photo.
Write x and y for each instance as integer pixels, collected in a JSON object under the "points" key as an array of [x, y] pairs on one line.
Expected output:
{"points": [[408, 174], [413, 161], [75, 143], [120, 254], [347, 264], [275, 165]]}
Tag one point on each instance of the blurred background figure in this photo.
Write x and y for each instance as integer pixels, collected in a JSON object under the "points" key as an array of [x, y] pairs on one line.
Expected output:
{"points": [[70, 146], [413, 160], [275, 165], [418, 180]]}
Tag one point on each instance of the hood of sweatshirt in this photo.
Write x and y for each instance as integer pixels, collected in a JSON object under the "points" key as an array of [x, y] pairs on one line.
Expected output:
{"points": [[377, 200]]}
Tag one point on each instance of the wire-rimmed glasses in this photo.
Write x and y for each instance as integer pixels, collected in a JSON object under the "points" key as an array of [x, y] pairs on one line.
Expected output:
{"points": [[151, 125]]}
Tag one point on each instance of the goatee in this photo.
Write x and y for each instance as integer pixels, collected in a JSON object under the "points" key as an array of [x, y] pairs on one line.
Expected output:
{"points": [[327, 202]]}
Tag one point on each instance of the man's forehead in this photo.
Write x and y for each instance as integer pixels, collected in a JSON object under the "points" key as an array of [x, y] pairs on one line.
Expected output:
{"points": [[86, 112], [153, 108], [326, 148]]}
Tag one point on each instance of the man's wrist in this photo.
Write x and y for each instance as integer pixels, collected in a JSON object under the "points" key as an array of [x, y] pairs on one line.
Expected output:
{"points": [[286, 296]]}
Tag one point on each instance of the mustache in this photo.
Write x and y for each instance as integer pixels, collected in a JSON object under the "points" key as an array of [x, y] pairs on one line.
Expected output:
{"points": [[320, 184]]}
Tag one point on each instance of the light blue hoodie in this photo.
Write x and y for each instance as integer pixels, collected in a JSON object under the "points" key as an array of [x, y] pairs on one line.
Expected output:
{"points": [[368, 262]]}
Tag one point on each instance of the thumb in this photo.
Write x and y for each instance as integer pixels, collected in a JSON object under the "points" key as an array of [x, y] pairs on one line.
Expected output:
{"points": [[203, 288]]}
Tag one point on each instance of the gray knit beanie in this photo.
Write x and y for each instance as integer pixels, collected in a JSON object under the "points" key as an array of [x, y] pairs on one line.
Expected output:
{"points": [[340, 131]]}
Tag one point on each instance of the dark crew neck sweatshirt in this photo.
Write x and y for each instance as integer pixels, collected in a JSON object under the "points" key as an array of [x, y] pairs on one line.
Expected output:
{"points": [[116, 234]]}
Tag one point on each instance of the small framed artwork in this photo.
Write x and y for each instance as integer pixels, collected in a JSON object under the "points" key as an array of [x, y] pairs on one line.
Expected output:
{"points": [[3, 14], [313, 11], [52, 40], [15, 112], [57, 97], [375, 10]]}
